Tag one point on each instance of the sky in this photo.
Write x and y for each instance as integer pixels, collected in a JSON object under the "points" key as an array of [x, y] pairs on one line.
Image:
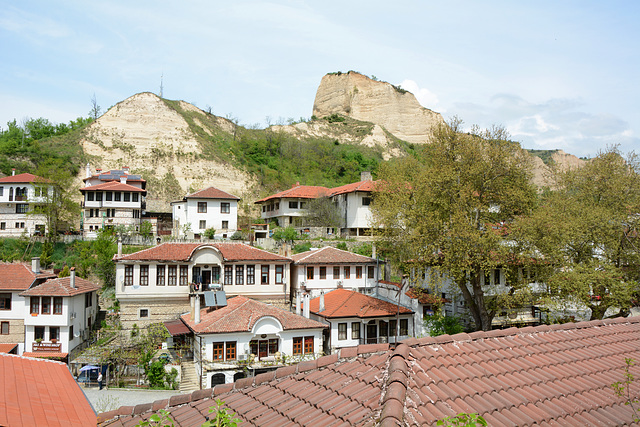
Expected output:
{"points": [[556, 74]]}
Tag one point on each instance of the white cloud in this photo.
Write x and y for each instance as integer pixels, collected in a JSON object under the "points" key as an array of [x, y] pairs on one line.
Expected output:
{"points": [[424, 96]]}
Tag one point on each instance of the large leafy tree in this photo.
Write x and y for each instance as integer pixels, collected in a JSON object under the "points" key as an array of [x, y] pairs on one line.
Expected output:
{"points": [[586, 230], [445, 208]]}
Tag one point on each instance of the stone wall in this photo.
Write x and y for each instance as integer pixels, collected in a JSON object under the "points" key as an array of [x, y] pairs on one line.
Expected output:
{"points": [[16, 332], [159, 311]]}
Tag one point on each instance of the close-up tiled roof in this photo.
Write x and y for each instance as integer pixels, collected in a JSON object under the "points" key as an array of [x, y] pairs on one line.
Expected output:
{"points": [[347, 303], [22, 178], [241, 314], [330, 255], [543, 376], [18, 277], [113, 186], [211, 193], [61, 287], [367, 186], [38, 392], [7, 348], [299, 192], [182, 252]]}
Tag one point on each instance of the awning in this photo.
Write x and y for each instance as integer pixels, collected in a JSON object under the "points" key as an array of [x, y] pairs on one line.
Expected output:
{"points": [[7, 348], [45, 354], [177, 328]]}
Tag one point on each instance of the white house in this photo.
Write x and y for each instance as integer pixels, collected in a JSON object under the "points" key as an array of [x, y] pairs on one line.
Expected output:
{"points": [[250, 333], [356, 319], [328, 268], [112, 198], [156, 284], [18, 194], [353, 202], [204, 209], [288, 207], [44, 315]]}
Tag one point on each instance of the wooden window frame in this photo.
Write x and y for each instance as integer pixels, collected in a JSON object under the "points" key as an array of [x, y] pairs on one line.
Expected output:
{"points": [[144, 275]]}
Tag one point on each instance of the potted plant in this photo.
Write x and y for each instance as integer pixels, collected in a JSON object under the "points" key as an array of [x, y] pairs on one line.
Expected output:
{"points": [[38, 340], [54, 340]]}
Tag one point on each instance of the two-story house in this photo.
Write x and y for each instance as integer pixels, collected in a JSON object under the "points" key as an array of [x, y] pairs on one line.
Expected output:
{"points": [[252, 334], [18, 195], [288, 207], [161, 283], [112, 198], [205, 209], [328, 268]]}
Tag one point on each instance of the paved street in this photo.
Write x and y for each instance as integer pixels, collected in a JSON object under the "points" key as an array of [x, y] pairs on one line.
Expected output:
{"points": [[106, 400]]}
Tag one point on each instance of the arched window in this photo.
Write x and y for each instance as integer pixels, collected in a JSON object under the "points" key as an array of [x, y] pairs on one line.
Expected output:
{"points": [[217, 379], [238, 376]]}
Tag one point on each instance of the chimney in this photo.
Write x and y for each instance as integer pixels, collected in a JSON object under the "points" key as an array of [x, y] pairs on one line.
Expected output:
{"points": [[196, 310], [35, 264], [297, 184], [87, 171], [321, 309], [119, 246], [298, 303], [72, 278], [13, 171], [123, 179], [307, 299], [365, 176], [98, 171], [125, 169]]}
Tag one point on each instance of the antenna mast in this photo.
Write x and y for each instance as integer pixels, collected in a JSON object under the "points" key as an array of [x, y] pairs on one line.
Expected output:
{"points": [[161, 86]]}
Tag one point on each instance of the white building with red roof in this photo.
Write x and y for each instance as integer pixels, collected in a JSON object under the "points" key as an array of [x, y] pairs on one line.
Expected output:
{"points": [[204, 209], [356, 319], [112, 198], [288, 207], [249, 333], [18, 193], [328, 268], [162, 282]]}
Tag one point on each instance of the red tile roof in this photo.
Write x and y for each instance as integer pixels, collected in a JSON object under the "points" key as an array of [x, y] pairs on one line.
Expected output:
{"points": [[211, 193], [41, 392], [177, 328], [113, 186], [346, 303], [330, 255], [18, 277], [299, 192], [114, 175], [241, 314], [183, 251], [351, 188], [61, 287], [7, 348], [45, 354], [545, 375], [22, 178]]}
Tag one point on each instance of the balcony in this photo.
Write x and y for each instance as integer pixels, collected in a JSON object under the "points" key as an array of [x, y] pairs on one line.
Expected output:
{"points": [[46, 346]]}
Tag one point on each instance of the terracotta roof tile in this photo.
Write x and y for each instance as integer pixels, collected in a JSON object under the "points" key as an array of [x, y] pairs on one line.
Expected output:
{"points": [[347, 303], [366, 186], [330, 255], [19, 277], [21, 178], [211, 193], [114, 186], [299, 192], [175, 252], [61, 287]]}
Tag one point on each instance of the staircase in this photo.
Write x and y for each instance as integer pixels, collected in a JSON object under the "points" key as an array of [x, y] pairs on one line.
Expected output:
{"points": [[189, 377]]}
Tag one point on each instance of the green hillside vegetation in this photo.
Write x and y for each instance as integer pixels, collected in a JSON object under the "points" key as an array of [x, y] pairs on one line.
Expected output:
{"points": [[545, 155]]}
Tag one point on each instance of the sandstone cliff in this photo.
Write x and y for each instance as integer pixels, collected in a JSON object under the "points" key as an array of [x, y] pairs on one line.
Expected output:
{"points": [[381, 103], [154, 140]]}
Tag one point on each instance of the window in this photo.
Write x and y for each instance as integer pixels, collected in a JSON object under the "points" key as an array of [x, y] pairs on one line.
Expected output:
{"points": [[309, 273], [225, 225], [35, 305], [366, 201], [202, 207], [277, 205], [136, 213], [108, 196], [251, 274], [3, 225], [404, 327], [496, 276], [160, 275], [279, 274], [71, 337], [22, 208], [393, 327], [144, 275], [143, 313], [336, 273], [297, 345], [46, 305], [342, 331], [384, 329], [90, 196], [117, 196], [88, 299], [5, 301], [57, 305], [134, 197], [38, 333], [359, 272], [19, 224], [173, 275], [264, 208], [264, 277], [308, 345], [225, 207], [128, 275], [355, 330], [203, 224], [54, 333], [239, 274], [273, 346], [1, 191], [228, 275], [127, 196], [293, 205], [371, 272], [98, 196], [4, 328], [215, 274], [184, 275], [218, 351], [323, 273], [302, 205], [231, 350], [347, 272]]}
